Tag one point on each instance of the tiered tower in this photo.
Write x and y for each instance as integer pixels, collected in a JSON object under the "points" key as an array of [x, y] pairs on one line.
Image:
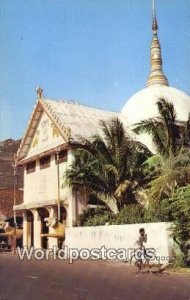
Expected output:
{"points": [[156, 73]]}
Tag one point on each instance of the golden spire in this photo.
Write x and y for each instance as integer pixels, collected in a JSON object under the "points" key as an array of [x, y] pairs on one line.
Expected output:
{"points": [[156, 74]]}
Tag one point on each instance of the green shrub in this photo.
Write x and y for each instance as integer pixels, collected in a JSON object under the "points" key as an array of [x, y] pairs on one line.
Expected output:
{"points": [[130, 214], [177, 210], [179, 206], [157, 212], [179, 260], [95, 217]]}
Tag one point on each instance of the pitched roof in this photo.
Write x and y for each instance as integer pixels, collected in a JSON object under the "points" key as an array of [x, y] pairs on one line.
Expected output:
{"points": [[83, 121], [73, 120]]}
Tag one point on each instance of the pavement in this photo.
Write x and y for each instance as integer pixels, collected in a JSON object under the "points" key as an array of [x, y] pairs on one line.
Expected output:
{"points": [[86, 280]]}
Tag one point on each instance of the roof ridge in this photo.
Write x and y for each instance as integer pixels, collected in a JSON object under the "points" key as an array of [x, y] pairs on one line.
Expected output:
{"points": [[76, 102]]}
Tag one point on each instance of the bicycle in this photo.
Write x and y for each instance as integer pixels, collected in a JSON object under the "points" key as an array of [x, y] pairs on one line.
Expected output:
{"points": [[142, 261]]}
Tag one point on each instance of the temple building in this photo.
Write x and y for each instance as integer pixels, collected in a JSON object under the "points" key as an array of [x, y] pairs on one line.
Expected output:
{"points": [[50, 141], [46, 151]]}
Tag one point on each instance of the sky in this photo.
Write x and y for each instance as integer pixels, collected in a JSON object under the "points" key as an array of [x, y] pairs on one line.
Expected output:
{"points": [[93, 51]]}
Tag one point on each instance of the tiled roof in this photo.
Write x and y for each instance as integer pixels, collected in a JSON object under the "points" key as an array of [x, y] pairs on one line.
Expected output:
{"points": [[83, 121], [74, 121]]}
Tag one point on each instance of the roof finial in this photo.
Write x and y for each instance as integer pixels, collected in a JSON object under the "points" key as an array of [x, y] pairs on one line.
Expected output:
{"points": [[156, 73], [154, 20], [39, 91]]}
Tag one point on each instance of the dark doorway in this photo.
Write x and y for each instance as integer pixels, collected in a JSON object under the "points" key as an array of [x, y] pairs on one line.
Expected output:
{"points": [[63, 214]]}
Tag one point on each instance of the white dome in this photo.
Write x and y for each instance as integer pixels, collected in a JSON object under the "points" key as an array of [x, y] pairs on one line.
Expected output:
{"points": [[142, 106]]}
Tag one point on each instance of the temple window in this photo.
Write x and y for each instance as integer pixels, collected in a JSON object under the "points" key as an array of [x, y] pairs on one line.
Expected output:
{"points": [[62, 156], [31, 167], [45, 162]]}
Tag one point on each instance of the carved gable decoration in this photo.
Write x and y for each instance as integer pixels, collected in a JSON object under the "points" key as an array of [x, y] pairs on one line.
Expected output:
{"points": [[46, 136]]}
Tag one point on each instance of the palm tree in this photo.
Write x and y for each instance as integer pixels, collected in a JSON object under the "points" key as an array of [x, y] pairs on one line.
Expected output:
{"points": [[170, 173], [170, 167], [109, 165], [168, 134]]}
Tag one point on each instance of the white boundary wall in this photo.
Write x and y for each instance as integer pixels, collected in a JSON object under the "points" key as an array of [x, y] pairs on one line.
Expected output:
{"points": [[120, 236]]}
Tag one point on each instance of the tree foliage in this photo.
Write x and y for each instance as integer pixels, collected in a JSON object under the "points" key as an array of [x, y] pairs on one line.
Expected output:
{"points": [[177, 210], [109, 165], [113, 166], [169, 135], [169, 174]]}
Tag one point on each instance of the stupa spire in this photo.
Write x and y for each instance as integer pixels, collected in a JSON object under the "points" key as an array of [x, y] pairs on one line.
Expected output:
{"points": [[154, 20], [156, 73]]}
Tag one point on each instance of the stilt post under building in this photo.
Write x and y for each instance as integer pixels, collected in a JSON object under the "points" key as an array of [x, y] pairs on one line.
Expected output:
{"points": [[58, 185]]}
